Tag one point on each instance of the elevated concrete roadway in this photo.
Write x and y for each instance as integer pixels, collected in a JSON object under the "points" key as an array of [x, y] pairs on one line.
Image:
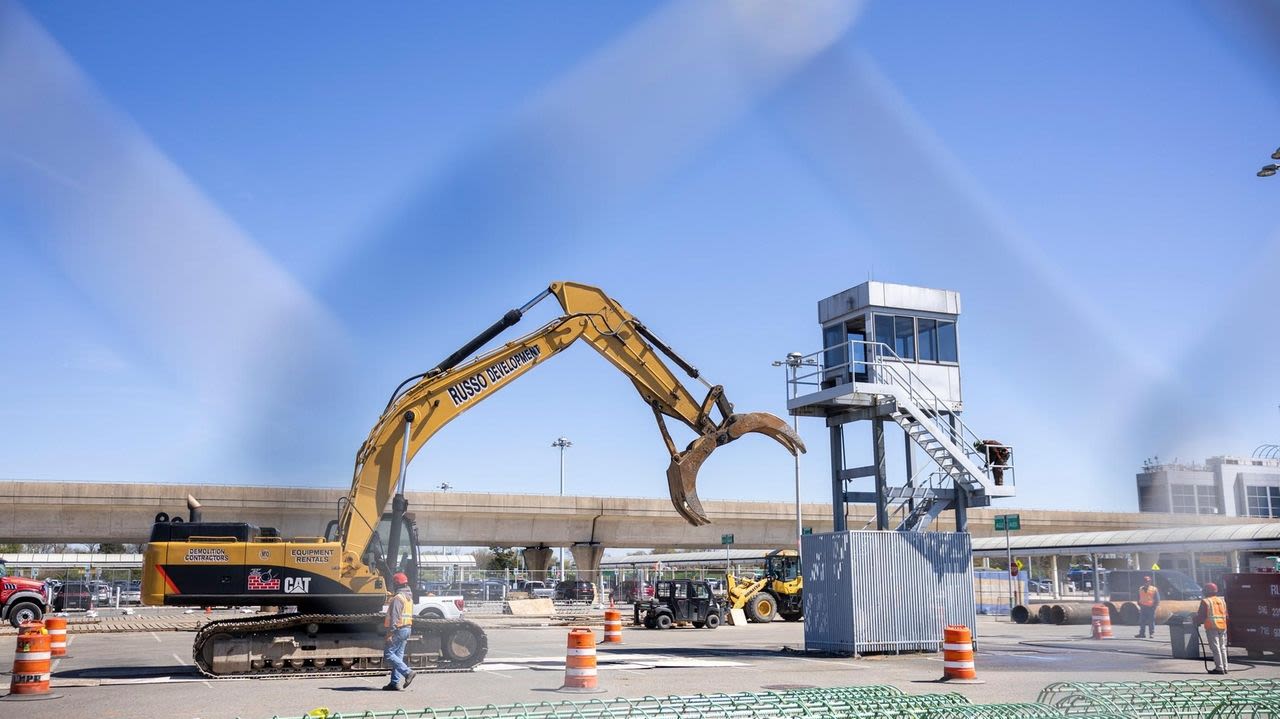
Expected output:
{"points": [[86, 512]]}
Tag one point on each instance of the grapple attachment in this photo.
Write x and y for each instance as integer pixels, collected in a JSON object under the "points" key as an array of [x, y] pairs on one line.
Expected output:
{"points": [[682, 475]]}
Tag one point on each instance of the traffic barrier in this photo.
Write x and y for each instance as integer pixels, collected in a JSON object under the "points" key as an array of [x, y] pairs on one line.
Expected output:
{"points": [[580, 662], [31, 665], [612, 626], [1102, 622], [57, 627], [957, 655]]}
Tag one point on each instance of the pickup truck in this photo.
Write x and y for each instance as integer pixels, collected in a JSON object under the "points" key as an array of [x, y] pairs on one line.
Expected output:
{"points": [[450, 607], [536, 589]]}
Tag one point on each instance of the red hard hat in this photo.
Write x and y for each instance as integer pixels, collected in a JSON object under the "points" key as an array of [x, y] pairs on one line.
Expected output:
{"points": [[1211, 588], [401, 579]]}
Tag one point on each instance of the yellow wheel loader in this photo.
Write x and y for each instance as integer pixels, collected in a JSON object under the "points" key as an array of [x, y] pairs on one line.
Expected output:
{"points": [[779, 592]]}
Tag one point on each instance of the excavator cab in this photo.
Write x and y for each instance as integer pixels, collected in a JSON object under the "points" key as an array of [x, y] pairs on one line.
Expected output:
{"points": [[377, 555]]}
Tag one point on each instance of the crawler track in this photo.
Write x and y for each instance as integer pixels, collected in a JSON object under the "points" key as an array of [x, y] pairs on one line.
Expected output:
{"points": [[309, 644]]}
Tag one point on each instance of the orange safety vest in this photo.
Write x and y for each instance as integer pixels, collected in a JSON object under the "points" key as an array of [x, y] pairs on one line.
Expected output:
{"points": [[1147, 596], [406, 612], [1216, 616]]}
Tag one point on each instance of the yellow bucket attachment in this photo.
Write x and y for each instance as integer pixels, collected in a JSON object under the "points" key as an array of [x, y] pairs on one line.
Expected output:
{"points": [[682, 475]]}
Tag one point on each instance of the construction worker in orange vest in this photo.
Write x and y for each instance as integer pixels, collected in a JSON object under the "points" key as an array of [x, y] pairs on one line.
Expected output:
{"points": [[399, 625], [1148, 600], [1213, 616]]}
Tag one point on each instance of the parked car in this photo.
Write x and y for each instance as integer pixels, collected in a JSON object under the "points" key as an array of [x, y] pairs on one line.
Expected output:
{"points": [[536, 589], [495, 590], [434, 588], [633, 590], [130, 591], [576, 590]]}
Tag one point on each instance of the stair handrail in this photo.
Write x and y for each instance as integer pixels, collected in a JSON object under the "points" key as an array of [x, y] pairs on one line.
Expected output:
{"points": [[890, 366], [959, 434]]}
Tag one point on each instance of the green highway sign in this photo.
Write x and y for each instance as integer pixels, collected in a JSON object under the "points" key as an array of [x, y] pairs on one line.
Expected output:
{"points": [[726, 539], [807, 530], [1008, 522]]}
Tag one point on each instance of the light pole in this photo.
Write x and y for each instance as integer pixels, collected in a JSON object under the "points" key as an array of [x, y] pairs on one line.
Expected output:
{"points": [[563, 443], [793, 361]]}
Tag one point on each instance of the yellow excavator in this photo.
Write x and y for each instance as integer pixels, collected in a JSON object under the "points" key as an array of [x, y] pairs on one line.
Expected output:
{"points": [[779, 592], [339, 581]]}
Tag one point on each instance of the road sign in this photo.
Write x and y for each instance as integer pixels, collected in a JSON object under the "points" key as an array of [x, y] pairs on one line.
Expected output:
{"points": [[1008, 522], [807, 530], [726, 539]]}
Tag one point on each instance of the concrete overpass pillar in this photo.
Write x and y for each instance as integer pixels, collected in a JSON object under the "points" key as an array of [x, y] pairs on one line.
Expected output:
{"points": [[587, 556], [538, 560]]}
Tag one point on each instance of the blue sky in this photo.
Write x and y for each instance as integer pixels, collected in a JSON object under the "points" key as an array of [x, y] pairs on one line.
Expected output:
{"points": [[227, 232]]}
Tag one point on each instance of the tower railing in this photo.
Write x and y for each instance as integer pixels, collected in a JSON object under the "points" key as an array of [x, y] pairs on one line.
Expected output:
{"points": [[860, 362]]}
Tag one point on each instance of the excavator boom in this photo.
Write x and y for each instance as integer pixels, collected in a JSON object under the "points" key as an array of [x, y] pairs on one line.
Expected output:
{"points": [[436, 397]]}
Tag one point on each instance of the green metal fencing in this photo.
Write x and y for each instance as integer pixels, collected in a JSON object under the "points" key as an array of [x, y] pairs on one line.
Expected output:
{"points": [[1211, 699], [1177, 699], [840, 702]]}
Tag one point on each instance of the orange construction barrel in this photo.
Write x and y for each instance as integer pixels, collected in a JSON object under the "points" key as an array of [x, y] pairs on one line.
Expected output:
{"points": [[580, 662], [1101, 622], [957, 655], [612, 626], [31, 666], [57, 627]]}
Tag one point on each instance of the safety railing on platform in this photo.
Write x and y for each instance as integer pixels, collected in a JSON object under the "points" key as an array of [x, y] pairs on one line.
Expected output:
{"points": [[876, 363]]}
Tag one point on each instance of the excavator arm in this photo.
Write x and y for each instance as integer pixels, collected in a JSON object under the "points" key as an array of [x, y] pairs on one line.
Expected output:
{"points": [[417, 411]]}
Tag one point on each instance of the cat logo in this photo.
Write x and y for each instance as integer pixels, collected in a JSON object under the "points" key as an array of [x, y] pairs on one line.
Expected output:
{"points": [[297, 585]]}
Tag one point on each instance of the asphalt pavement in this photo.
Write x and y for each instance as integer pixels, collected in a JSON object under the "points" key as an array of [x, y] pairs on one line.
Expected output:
{"points": [[141, 675]]}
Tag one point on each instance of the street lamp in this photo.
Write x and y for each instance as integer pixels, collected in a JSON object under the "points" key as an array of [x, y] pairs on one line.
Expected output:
{"points": [[563, 443], [444, 486], [794, 361]]}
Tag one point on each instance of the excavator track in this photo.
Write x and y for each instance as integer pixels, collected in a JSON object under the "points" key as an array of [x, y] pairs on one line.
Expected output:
{"points": [[285, 645]]}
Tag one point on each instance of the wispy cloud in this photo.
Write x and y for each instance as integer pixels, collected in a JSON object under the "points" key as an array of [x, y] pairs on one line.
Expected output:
{"points": [[133, 232]]}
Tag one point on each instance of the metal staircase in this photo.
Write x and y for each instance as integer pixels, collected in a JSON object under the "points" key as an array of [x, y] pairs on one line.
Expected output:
{"points": [[878, 379]]}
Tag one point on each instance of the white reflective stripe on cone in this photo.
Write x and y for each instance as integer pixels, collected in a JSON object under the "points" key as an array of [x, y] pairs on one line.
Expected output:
{"points": [[957, 665], [587, 672], [958, 647], [31, 656], [30, 678], [587, 652]]}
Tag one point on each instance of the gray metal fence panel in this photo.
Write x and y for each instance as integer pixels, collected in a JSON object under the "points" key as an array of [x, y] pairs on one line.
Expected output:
{"points": [[885, 591], [828, 592]]}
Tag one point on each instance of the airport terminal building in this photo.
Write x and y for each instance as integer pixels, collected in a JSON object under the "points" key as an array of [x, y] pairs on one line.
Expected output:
{"points": [[1231, 486]]}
